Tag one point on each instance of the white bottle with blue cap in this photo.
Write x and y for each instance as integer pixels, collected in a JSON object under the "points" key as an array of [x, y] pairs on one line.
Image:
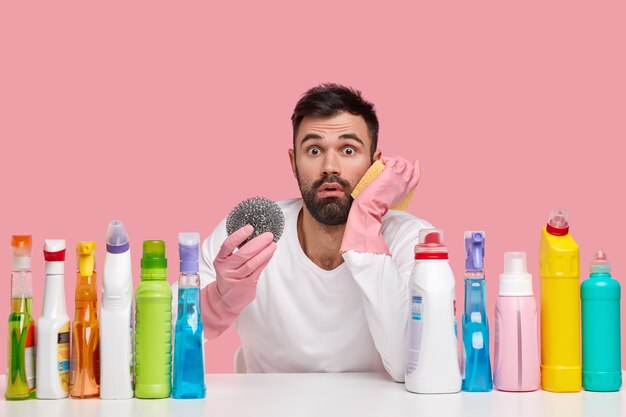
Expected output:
{"points": [[116, 320]]}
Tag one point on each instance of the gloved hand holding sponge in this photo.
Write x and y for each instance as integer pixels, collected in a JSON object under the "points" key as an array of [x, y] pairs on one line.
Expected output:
{"points": [[394, 186], [236, 276]]}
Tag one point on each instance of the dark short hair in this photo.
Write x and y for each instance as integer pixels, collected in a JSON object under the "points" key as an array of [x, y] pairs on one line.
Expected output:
{"points": [[330, 99]]}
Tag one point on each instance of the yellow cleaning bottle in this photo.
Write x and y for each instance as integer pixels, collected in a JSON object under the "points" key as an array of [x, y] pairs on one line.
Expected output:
{"points": [[559, 269]]}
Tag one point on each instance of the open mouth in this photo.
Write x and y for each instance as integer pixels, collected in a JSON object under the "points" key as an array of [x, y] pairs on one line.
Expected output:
{"points": [[332, 189]]}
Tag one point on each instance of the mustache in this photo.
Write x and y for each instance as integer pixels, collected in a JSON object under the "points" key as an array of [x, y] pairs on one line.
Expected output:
{"points": [[330, 179]]}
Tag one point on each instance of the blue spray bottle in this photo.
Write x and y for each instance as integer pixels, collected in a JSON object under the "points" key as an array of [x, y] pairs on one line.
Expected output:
{"points": [[188, 359], [477, 369]]}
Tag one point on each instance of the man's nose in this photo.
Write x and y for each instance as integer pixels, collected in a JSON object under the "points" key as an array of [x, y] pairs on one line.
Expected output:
{"points": [[332, 164]]}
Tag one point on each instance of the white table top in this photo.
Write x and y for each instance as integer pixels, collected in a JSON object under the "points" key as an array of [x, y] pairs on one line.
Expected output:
{"points": [[321, 395]]}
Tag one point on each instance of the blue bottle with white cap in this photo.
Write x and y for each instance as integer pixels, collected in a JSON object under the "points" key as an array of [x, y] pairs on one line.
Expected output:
{"points": [[188, 359], [477, 366]]}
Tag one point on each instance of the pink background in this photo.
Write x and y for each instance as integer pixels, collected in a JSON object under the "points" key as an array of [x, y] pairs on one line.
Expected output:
{"points": [[167, 115]]}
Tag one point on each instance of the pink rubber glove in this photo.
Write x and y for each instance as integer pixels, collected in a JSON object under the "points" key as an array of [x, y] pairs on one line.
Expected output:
{"points": [[236, 276], [362, 233]]}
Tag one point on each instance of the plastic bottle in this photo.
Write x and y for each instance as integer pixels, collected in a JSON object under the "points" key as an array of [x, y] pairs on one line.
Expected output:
{"points": [[53, 328], [517, 348], [433, 366], [116, 317], [477, 370], [85, 362], [153, 338], [21, 352], [600, 295], [559, 269], [188, 358]]}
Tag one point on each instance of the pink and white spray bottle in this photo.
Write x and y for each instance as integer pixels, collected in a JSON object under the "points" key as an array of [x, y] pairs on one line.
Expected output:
{"points": [[517, 365]]}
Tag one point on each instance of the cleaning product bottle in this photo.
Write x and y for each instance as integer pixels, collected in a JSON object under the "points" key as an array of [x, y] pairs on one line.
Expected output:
{"points": [[600, 295], [53, 328], [153, 338], [432, 361], [517, 348], [188, 360], [116, 317], [560, 306], [21, 353], [85, 362], [477, 370]]}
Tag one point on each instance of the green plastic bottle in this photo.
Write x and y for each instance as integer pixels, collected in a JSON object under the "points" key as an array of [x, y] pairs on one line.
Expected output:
{"points": [[600, 294], [21, 352], [153, 338]]}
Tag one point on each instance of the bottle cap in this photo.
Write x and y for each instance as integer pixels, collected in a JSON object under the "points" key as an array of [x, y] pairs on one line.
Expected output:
{"points": [[431, 245], [86, 254], [600, 263], [558, 223], [154, 255], [474, 251], [54, 255], [22, 246], [188, 244], [515, 281], [117, 238]]}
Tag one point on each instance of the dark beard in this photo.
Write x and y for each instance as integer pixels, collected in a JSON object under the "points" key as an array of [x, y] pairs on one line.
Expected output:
{"points": [[330, 211]]}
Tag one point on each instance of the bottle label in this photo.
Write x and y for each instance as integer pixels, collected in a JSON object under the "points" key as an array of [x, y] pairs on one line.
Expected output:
{"points": [[63, 356], [29, 357], [415, 332]]}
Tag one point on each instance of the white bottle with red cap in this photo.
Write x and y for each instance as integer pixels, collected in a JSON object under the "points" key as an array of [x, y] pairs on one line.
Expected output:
{"points": [[53, 328], [432, 360]]}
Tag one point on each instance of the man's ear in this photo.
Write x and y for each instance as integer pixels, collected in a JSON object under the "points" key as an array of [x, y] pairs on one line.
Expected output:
{"points": [[292, 160]]}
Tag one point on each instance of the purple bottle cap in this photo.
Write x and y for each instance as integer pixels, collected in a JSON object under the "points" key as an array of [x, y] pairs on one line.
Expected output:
{"points": [[117, 238], [188, 245], [474, 251]]}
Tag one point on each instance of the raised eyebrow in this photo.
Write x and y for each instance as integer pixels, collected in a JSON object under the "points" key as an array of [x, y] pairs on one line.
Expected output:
{"points": [[353, 136], [310, 136], [314, 136]]}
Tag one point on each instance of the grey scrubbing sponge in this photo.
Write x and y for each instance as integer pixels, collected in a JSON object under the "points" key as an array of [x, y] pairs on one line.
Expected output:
{"points": [[259, 212]]}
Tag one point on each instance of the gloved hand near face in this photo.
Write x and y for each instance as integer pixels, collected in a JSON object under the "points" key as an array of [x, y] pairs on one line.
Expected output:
{"points": [[362, 233]]}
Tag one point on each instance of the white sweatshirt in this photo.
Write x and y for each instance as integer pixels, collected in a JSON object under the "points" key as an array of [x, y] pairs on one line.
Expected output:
{"points": [[307, 319]]}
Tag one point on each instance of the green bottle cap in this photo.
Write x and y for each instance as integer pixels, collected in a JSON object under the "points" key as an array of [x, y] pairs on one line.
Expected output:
{"points": [[154, 255]]}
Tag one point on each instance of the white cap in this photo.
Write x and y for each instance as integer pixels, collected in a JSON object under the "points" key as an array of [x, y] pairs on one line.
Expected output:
{"points": [[515, 281]]}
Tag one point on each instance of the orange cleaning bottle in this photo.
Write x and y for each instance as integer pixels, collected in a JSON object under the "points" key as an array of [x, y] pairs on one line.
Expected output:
{"points": [[85, 357]]}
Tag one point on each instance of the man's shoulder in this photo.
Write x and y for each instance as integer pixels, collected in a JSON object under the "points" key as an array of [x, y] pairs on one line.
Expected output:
{"points": [[397, 217], [398, 223]]}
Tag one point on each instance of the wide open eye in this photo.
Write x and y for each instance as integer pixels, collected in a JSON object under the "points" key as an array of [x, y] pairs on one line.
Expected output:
{"points": [[313, 151]]}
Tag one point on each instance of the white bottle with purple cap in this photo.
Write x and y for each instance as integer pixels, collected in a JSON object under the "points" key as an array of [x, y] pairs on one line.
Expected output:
{"points": [[116, 320]]}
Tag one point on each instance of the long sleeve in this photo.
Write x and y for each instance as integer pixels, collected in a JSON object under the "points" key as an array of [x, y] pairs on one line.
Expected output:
{"points": [[383, 280]]}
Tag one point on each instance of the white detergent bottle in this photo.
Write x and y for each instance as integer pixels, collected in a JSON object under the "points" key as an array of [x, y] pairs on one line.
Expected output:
{"points": [[116, 324], [432, 360], [53, 328]]}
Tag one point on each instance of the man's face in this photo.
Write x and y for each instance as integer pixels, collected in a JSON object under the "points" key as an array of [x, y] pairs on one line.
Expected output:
{"points": [[331, 155]]}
